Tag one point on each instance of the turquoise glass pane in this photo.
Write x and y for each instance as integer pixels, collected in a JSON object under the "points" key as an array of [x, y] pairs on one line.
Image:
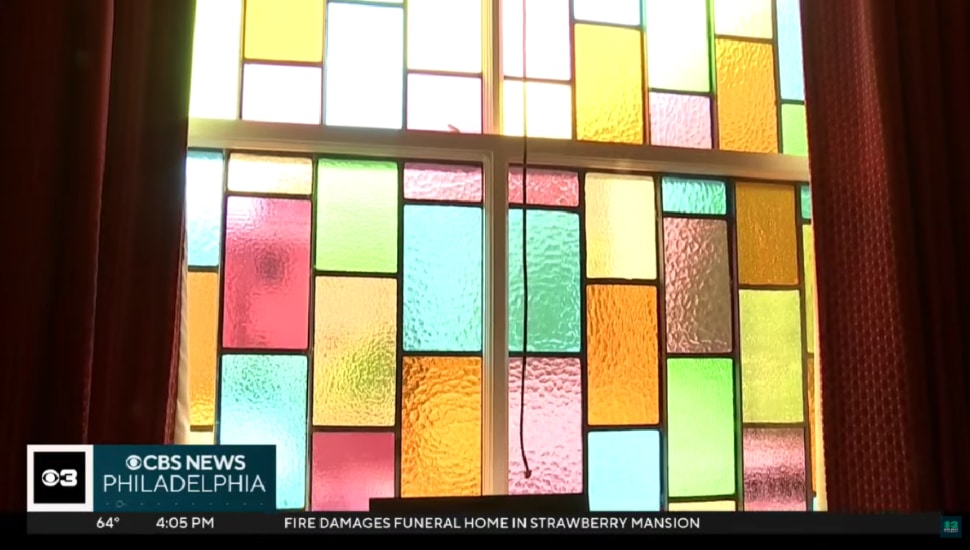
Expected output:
{"points": [[790, 71], [689, 196], [624, 471], [553, 253], [442, 278], [806, 200], [203, 207], [263, 402]]}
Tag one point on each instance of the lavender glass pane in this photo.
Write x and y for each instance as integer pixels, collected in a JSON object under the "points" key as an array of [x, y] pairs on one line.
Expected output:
{"points": [[349, 469], [774, 469], [678, 120], [553, 426], [266, 299]]}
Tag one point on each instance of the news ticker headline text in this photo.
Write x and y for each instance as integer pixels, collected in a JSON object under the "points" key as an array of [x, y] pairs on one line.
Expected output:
{"points": [[324, 524]]}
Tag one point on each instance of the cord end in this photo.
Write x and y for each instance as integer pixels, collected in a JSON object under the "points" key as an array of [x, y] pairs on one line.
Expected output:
{"points": [[528, 474]]}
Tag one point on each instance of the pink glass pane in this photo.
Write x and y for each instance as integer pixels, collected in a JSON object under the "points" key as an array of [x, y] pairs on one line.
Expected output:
{"points": [[546, 187], [678, 120], [443, 182], [267, 273], [774, 469], [351, 468], [553, 427]]}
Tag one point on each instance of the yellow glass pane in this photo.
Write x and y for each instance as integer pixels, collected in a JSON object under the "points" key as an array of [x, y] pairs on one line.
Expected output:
{"points": [[609, 84], [747, 18], [746, 99], [549, 109], [808, 257], [276, 93], [621, 228], [203, 321], [678, 53], [441, 427], [445, 35], [771, 356], [708, 506], [201, 438], [215, 59], [284, 30], [354, 351], [622, 355], [767, 245], [265, 174], [547, 39], [812, 431]]}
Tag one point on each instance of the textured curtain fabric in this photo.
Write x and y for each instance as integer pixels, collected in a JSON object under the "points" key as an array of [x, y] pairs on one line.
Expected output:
{"points": [[94, 124], [888, 118]]}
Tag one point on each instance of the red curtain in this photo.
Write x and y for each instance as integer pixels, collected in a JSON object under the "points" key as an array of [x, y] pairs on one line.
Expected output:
{"points": [[94, 125], [888, 119]]}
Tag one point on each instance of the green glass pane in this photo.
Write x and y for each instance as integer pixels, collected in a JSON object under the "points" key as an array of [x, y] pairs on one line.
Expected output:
{"points": [[690, 196], [442, 278], [700, 427], [806, 200], [808, 257], [771, 356], [553, 252], [794, 134], [357, 216], [263, 402]]}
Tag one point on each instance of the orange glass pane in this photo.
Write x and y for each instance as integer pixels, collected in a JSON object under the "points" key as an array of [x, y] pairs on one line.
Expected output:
{"points": [[441, 427], [355, 351], [203, 322], [746, 98], [808, 270], [284, 30], [622, 355], [767, 244], [609, 84]]}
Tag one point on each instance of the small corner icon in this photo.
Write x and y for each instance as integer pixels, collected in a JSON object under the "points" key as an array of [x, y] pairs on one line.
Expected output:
{"points": [[951, 527]]}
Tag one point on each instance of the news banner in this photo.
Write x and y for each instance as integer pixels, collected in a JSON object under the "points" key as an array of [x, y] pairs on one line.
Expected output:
{"points": [[232, 490]]}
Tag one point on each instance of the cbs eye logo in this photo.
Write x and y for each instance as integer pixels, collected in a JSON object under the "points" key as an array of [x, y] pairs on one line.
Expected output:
{"points": [[63, 478], [58, 479]]}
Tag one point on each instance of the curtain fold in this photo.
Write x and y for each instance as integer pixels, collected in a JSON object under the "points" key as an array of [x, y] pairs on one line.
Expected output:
{"points": [[95, 121], [886, 84]]}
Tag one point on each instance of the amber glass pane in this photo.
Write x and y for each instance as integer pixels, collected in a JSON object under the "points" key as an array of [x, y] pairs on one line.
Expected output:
{"points": [[746, 116], [609, 84], [767, 243], [284, 30], [203, 321]]}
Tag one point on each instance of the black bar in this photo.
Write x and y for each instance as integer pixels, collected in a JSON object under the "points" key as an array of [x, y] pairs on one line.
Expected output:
{"points": [[739, 523]]}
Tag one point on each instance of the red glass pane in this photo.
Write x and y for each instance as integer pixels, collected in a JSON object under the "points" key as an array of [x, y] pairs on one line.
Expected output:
{"points": [[349, 469], [443, 182], [546, 187]]}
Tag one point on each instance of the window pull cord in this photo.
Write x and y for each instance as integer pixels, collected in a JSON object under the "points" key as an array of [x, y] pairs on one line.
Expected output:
{"points": [[525, 257]]}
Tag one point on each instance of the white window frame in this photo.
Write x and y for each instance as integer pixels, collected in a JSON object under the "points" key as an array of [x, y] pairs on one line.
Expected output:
{"points": [[496, 153]]}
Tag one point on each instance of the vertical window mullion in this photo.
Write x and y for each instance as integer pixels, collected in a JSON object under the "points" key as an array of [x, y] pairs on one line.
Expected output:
{"points": [[491, 66]]}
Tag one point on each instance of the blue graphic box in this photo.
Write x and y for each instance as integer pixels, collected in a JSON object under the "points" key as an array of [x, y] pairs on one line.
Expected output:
{"points": [[184, 478]]}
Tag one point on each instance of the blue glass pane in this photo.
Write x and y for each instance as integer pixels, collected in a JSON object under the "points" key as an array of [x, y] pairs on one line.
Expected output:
{"points": [[806, 200], [790, 50], [553, 252], [263, 402], [624, 471], [203, 207], [442, 278], [689, 196]]}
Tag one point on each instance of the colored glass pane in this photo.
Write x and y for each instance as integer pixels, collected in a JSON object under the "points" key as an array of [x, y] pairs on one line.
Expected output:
{"points": [[697, 274], [805, 198], [746, 18], [445, 35], [617, 12], [678, 56], [442, 278], [791, 77], [774, 469], [746, 102], [443, 182], [215, 59], [365, 66], [808, 270], [622, 355], [706, 506], [266, 300], [812, 408], [547, 187], [700, 427], [771, 356], [767, 244], [547, 44], [678, 120], [277, 93], [202, 437], [357, 215], [354, 351], [349, 469], [284, 30], [621, 227], [693, 196], [266, 174], [624, 471], [548, 109], [203, 316], [554, 291], [263, 402], [441, 432], [609, 84], [203, 207], [444, 103], [794, 132]]}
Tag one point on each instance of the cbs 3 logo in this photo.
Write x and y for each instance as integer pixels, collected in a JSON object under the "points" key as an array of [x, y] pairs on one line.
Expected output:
{"points": [[59, 478]]}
